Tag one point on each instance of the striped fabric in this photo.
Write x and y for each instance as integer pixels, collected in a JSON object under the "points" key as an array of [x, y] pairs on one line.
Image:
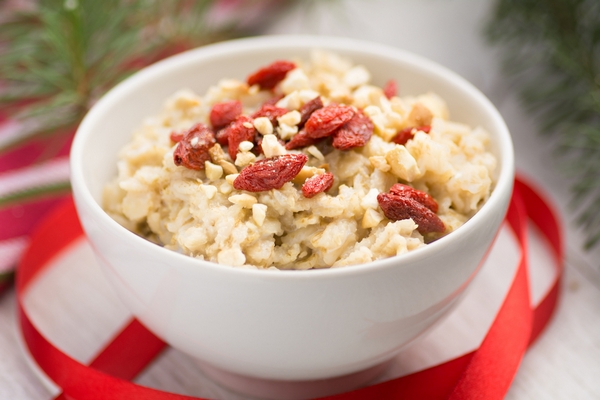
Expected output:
{"points": [[34, 177]]}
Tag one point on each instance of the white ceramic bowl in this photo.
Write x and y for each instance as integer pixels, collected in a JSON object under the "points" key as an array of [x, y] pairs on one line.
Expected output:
{"points": [[291, 325]]}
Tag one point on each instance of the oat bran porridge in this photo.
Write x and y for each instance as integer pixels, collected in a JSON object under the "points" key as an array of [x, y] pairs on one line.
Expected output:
{"points": [[304, 165]]}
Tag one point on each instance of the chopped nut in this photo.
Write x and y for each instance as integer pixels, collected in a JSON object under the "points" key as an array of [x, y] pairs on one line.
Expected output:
{"points": [[292, 101], [403, 164], [230, 178], [286, 132], [380, 163], [244, 199], [259, 213], [225, 188], [271, 146], [213, 172], [315, 153], [296, 79], [370, 199], [291, 118], [371, 218], [263, 125], [246, 146], [248, 125], [306, 172], [244, 158], [209, 191], [228, 167], [357, 76], [419, 116], [216, 153]]}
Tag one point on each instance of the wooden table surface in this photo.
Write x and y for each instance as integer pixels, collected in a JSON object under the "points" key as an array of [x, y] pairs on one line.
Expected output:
{"points": [[563, 364]]}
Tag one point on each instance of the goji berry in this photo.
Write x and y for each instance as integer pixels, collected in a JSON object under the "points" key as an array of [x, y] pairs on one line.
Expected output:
{"points": [[404, 135], [176, 136], [317, 184], [222, 114], [354, 133], [222, 137], [300, 139], [270, 111], [308, 108], [326, 120], [239, 131], [269, 76], [273, 100], [390, 89], [192, 150], [270, 173], [397, 207], [418, 195]]}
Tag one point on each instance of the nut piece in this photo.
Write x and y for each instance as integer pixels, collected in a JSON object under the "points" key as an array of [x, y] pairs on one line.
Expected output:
{"points": [[213, 172], [380, 163], [403, 164], [244, 199], [209, 190], [271, 146], [307, 172], [228, 167], [259, 213], [263, 125], [216, 153], [245, 146], [244, 158], [419, 116], [291, 118], [371, 218]]}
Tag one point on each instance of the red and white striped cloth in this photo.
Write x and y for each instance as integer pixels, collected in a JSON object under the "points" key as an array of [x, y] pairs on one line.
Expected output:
{"points": [[34, 177]]}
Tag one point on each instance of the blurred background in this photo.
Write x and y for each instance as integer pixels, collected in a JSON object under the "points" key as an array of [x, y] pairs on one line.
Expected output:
{"points": [[538, 62]]}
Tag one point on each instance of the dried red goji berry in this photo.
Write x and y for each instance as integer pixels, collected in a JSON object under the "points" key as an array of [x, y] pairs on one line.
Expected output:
{"points": [[176, 136], [300, 139], [390, 89], [397, 207], [317, 184], [270, 173], [418, 195], [192, 150], [222, 114], [354, 133], [326, 120], [308, 108], [273, 100], [269, 76], [222, 137], [240, 130], [404, 135], [270, 111]]}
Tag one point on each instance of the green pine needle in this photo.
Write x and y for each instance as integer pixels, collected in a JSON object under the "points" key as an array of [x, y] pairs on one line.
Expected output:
{"points": [[61, 56], [553, 56]]}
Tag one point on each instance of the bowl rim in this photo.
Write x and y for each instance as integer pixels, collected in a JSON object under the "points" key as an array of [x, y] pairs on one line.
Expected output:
{"points": [[503, 184]]}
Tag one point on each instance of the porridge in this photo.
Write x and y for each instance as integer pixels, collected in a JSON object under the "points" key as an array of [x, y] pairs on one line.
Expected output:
{"points": [[304, 165]]}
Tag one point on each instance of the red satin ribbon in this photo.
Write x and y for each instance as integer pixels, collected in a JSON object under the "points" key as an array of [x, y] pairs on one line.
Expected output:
{"points": [[485, 373]]}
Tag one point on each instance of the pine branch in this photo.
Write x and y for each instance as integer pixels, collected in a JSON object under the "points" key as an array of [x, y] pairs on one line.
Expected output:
{"points": [[61, 56], [552, 53]]}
